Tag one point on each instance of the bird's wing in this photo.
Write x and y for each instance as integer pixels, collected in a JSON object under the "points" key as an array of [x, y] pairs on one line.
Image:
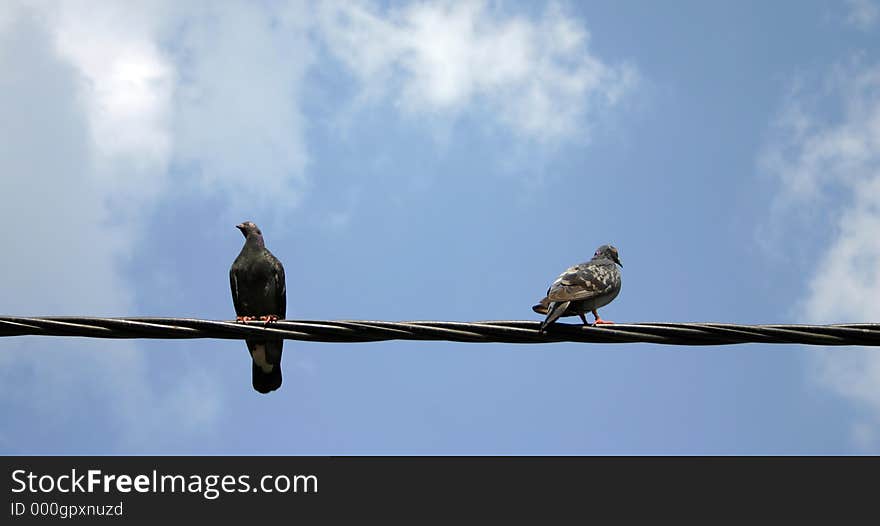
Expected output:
{"points": [[582, 282], [233, 285], [280, 285]]}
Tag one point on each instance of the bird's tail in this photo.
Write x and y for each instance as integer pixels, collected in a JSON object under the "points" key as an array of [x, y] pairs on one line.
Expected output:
{"points": [[266, 368], [557, 309], [543, 307], [266, 382]]}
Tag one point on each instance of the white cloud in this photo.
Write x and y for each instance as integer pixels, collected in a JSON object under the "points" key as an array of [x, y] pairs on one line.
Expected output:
{"points": [[214, 87], [98, 101], [538, 78], [826, 154], [107, 108], [862, 13], [237, 110], [128, 83], [62, 247]]}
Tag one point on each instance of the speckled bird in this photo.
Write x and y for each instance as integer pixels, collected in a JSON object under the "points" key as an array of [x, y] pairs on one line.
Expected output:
{"points": [[259, 293], [583, 288]]}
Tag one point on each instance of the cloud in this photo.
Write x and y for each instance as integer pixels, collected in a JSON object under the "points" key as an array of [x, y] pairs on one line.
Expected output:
{"points": [[63, 246], [237, 113], [108, 110], [862, 13], [826, 154], [208, 92], [535, 77]]}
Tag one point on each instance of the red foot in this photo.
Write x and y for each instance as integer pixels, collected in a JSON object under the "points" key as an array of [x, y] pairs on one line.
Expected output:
{"points": [[600, 321], [242, 319], [269, 319]]}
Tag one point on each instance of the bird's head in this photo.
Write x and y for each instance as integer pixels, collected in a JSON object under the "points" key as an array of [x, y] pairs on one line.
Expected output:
{"points": [[608, 252], [248, 228]]}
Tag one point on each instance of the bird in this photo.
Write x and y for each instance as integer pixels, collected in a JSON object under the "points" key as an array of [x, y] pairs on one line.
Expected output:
{"points": [[583, 288], [256, 279]]}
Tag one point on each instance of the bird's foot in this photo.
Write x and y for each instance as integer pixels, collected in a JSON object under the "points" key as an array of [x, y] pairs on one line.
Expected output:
{"points": [[600, 321], [242, 319], [268, 319]]}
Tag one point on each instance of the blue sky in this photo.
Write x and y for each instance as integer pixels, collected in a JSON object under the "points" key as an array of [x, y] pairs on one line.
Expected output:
{"points": [[441, 160]]}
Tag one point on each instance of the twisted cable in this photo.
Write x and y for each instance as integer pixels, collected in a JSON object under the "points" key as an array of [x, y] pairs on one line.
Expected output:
{"points": [[353, 331]]}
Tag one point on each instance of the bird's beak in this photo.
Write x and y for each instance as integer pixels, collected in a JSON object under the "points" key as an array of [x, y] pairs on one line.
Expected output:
{"points": [[240, 226], [617, 260]]}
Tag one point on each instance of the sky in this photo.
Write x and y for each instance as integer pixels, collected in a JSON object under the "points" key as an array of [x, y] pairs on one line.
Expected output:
{"points": [[441, 160]]}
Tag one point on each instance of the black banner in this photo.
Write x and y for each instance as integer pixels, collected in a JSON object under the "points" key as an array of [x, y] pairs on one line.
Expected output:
{"points": [[150, 489]]}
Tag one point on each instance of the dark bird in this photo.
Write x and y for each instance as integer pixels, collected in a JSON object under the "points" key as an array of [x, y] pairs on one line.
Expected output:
{"points": [[583, 288], [259, 292]]}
